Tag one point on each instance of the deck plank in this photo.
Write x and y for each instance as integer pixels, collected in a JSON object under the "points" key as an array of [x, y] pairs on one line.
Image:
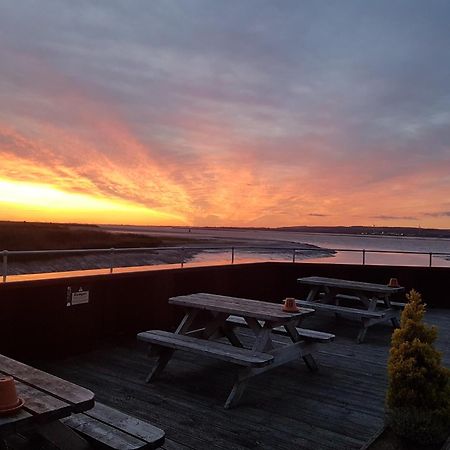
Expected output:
{"points": [[341, 406]]}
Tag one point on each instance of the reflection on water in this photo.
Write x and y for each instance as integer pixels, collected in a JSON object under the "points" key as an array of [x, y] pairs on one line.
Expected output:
{"points": [[376, 248], [340, 257], [277, 238]]}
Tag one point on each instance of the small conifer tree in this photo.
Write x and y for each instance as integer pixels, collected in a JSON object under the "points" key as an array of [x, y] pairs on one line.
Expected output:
{"points": [[418, 396]]}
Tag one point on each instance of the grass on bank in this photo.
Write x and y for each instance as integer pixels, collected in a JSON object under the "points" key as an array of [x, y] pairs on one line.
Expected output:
{"points": [[49, 236]]}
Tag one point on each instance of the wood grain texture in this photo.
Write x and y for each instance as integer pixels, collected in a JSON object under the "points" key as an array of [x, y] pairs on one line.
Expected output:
{"points": [[339, 407], [313, 335], [116, 429], [54, 386], [203, 347], [350, 285], [238, 306], [47, 398], [342, 309]]}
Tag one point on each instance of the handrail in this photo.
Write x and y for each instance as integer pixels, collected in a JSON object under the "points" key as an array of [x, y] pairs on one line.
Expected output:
{"points": [[294, 250]]}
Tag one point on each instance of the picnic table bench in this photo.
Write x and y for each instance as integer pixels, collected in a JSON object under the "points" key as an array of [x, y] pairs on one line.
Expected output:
{"points": [[47, 399], [54, 407], [374, 300], [114, 429], [304, 333], [216, 320]]}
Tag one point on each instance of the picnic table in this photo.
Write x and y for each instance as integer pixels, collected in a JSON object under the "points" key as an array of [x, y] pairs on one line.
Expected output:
{"points": [[373, 301], [46, 400], [211, 315]]}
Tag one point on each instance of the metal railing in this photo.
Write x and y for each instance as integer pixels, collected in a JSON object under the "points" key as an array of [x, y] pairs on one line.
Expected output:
{"points": [[292, 251]]}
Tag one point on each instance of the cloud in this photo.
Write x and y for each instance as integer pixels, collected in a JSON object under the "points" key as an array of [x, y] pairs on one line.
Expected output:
{"points": [[438, 214], [384, 217], [232, 112]]}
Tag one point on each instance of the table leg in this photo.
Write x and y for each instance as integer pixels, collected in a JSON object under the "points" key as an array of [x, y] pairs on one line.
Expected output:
{"points": [[371, 305], [217, 324], [312, 294], [362, 331], [231, 336], [62, 436], [295, 337], [263, 337], [387, 302], [310, 363], [164, 354], [164, 357], [238, 389], [263, 342], [186, 322]]}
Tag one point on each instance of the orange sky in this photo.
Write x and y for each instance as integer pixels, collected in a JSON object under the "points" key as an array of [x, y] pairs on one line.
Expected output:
{"points": [[108, 118]]}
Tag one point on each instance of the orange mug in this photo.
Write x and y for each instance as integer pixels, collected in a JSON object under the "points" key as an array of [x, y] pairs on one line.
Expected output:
{"points": [[393, 282], [289, 305], [8, 394]]}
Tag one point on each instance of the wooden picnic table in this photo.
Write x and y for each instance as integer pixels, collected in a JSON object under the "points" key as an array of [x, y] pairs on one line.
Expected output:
{"points": [[209, 313], [47, 399], [375, 299]]}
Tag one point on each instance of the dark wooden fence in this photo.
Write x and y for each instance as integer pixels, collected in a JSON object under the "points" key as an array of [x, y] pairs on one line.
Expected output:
{"points": [[35, 320]]}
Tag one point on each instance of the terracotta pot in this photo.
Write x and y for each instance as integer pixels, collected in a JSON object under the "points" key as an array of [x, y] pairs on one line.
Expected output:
{"points": [[8, 394], [289, 305], [393, 282]]}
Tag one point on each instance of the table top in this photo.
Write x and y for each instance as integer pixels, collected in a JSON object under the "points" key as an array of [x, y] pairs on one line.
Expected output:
{"points": [[47, 398], [238, 306], [350, 285]]}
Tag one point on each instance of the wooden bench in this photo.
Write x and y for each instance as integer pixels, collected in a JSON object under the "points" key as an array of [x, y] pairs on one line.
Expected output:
{"points": [[115, 430], [399, 305], [362, 313], [305, 334], [218, 350]]}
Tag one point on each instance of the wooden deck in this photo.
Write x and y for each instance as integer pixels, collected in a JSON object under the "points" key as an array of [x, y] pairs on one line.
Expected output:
{"points": [[339, 407]]}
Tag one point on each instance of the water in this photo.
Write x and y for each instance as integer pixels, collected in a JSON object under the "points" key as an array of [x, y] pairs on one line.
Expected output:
{"points": [[374, 246]]}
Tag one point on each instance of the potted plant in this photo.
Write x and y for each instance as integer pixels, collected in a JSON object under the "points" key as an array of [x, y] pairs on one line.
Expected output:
{"points": [[418, 395]]}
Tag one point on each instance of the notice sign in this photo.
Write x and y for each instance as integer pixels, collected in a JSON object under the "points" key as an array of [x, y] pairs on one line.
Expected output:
{"points": [[79, 297]]}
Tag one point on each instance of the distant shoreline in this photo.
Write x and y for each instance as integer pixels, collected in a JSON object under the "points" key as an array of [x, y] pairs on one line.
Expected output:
{"points": [[25, 236], [179, 243], [414, 232], [359, 230]]}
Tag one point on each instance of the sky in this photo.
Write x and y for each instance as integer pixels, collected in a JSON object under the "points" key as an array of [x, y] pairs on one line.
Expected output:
{"points": [[225, 112]]}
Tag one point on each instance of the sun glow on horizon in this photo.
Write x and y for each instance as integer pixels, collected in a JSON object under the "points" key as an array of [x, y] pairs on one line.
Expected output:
{"points": [[39, 201]]}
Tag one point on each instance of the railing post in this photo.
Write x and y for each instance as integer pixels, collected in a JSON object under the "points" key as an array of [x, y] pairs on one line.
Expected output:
{"points": [[5, 264], [364, 257], [293, 256], [431, 258], [111, 260], [232, 255], [182, 257]]}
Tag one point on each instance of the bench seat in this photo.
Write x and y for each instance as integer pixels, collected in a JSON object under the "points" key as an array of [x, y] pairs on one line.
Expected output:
{"points": [[114, 429], [307, 335], [218, 350], [362, 313], [379, 302], [398, 305]]}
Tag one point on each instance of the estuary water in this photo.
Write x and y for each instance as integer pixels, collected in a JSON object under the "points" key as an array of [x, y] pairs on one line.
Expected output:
{"points": [[250, 245]]}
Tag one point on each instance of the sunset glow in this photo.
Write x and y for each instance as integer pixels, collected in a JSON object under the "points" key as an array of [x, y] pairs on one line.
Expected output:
{"points": [[159, 114], [39, 202]]}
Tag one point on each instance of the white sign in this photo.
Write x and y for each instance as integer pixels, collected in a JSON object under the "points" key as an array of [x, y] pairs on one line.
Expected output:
{"points": [[80, 297]]}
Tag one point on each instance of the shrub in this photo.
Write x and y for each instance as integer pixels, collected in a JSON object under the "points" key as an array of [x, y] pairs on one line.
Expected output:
{"points": [[418, 396]]}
